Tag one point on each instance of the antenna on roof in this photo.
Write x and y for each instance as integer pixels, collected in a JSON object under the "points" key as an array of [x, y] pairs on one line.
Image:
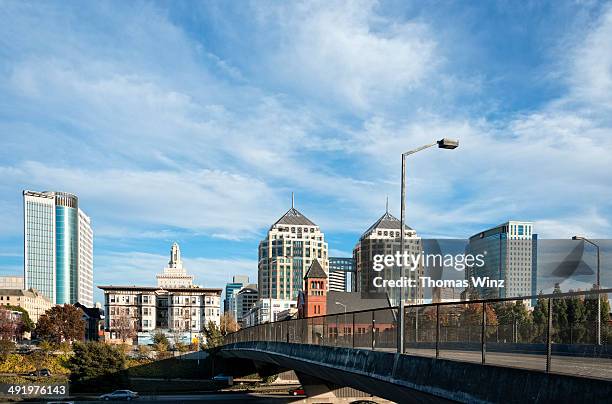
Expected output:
{"points": [[292, 201], [387, 207]]}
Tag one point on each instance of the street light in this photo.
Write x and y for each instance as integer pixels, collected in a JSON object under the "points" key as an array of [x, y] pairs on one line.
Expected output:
{"points": [[444, 143], [597, 286]]}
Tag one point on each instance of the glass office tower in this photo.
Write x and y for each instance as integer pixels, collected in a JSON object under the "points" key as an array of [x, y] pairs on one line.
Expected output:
{"points": [[510, 252], [66, 245], [53, 243]]}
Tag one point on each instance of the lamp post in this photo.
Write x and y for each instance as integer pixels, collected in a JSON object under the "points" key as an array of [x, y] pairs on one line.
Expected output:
{"points": [[442, 144], [597, 286]]}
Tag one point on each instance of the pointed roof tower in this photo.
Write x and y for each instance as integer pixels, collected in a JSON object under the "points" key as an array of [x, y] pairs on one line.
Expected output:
{"points": [[294, 217], [386, 221], [315, 271]]}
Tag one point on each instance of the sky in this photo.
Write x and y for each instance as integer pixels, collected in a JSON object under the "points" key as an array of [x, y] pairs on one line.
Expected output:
{"points": [[194, 121]]}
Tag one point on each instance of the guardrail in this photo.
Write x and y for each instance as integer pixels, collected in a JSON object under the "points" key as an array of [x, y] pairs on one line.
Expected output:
{"points": [[558, 334]]}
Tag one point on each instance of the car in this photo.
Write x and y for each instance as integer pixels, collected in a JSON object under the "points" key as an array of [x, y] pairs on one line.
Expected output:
{"points": [[224, 378], [297, 392], [120, 395], [41, 372]]}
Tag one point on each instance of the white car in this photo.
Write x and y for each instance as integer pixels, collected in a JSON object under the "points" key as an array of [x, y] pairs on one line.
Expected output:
{"points": [[120, 395]]}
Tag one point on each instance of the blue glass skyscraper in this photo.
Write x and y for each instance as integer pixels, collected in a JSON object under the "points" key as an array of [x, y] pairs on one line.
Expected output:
{"points": [[58, 247]]}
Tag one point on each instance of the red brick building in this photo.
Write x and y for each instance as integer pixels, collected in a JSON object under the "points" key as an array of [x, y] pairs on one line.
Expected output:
{"points": [[314, 297]]}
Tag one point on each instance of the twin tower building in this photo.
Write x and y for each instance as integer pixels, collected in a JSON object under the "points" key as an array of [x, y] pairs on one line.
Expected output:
{"points": [[58, 247], [293, 243]]}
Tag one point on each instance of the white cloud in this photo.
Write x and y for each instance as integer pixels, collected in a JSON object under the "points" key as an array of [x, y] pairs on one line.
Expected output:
{"points": [[349, 51]]}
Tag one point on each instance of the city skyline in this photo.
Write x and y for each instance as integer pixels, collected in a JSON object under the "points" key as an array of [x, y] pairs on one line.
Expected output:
{"points": [[201, 138]]}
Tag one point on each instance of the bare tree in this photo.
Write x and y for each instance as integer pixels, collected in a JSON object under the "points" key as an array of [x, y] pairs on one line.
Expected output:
{"points": [[124, 327], [228, 324]]}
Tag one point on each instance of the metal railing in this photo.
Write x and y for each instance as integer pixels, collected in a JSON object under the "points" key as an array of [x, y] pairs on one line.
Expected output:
{"points": [[556, 334]]}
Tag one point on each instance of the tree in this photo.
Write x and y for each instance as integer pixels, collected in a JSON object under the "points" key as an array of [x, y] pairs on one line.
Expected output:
{"points": [[160, 344], [6, 347], [228, 324], [92, 360], [11, 328], [124, 328], [28, 324], [61, 323], [540, 319], [213, 335]]}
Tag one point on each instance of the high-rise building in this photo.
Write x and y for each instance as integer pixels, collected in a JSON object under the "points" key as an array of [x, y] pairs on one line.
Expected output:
{"points": [[341, 271], [174, 275], [510, 254], [245, 298], [11, 282], [53, 224], [229, 303], [85, 266], [291, 245], [383, 237]]}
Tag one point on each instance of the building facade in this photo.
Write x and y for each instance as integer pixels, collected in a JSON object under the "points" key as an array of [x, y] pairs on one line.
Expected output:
{"points": [[259, 314], [56, 232], [229, 303], [312, 302], [145, 309], [175, 275], [175, 306], [341, 273], [290, 246], [510, 252], [11, 282], [383, 237], [246, 298], [31, 300], [85, 261]]}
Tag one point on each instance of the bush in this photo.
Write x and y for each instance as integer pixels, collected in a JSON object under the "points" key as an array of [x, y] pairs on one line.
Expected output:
{"points": [[6, 347], [93, 360]]}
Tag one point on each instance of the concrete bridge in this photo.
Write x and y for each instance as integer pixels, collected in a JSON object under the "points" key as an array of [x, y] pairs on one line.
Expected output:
{"points": [[410, 378]]}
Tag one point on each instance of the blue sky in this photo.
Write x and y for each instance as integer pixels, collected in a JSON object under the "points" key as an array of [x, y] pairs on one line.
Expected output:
{"points": [[194, 122]]}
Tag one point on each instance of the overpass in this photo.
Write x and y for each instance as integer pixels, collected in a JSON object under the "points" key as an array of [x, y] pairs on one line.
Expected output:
{"points": [[459, 351]]}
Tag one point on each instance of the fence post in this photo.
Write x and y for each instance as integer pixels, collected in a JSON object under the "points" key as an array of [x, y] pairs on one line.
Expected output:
{"points": [[353, 330], [483, 335], [549, 335], [373, 330], [437, 331]]}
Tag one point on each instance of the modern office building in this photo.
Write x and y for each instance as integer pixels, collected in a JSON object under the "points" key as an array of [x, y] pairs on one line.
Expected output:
{"points": [[31, 300], [229, 302], [510, 254], [383, 237], [85, 261], [56, 232], [341, 273], [174, 310], [11, 282], [290, 246], [245, 299], [175, 275]]}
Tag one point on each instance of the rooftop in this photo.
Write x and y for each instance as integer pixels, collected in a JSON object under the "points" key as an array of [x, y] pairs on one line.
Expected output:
{"points": [[315, 270], [294, 217], [157, 288]]}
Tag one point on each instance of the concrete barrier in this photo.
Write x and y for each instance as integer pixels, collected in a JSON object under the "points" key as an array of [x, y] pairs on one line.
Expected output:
{"points": [[402, 377]]}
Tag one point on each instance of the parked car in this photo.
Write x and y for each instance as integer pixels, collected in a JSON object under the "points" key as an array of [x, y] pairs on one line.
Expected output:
{"points": [[120, 395], [224, 379], [41, 372], [297, 392]]}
